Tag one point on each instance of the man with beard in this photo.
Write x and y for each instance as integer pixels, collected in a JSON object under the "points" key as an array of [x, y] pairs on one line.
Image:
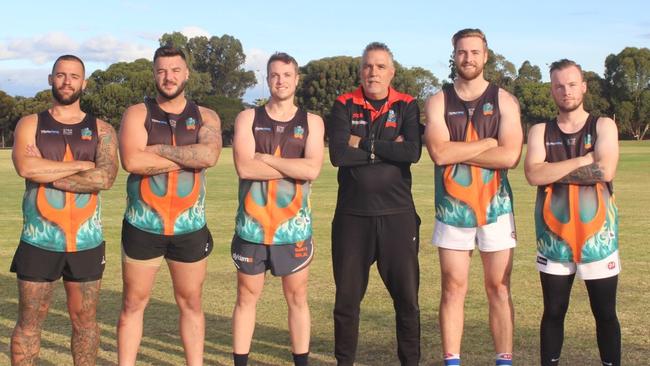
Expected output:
{"points": [[166, 143], [573, 160], [66, 157], [278, 152], [374, 136], [474, 136]]}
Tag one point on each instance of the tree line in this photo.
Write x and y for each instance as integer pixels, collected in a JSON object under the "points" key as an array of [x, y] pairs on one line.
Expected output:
{"points": [[219, 81]]}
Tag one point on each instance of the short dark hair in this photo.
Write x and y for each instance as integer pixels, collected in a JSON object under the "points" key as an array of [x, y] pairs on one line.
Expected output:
{"points": [[69, 58], [469, 32], [563, 64], [283, 57], [168, 51], [377, 46]]}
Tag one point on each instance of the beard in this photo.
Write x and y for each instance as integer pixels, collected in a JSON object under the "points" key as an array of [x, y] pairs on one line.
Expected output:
{"points": [[469, 75], [58, 96], [567, 108], [169, 96]]}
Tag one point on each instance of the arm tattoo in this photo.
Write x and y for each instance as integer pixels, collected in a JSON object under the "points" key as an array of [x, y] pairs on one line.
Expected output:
{"points": [[105, 171], [586, 175], [197, 156]]}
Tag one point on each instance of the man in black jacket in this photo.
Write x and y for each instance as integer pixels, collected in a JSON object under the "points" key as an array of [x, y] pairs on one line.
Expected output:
{"points": [[374, 136]]}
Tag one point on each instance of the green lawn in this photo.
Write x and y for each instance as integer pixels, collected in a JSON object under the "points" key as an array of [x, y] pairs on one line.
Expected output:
{"points": [[377, 346]]}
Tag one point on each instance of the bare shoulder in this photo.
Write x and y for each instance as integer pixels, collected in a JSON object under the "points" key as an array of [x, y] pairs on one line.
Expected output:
{"points": [[605, 122], [507, 99], [135, 112], [246, 116], [537, 128], [437, 100], [314, 118], [209, 115], [104, 127], [27, 121]]}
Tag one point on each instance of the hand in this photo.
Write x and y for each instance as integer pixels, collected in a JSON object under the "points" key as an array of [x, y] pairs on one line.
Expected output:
{"points": [[399, 138], [354, 141], [33, 151], [492, 142], [86, 165], [261, 157], [588, 159]]}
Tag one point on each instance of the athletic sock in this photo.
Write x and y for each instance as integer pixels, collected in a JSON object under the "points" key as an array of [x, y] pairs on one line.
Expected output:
{"points": [[301, 359], [240, 359], [504, 359], [452, 359]]}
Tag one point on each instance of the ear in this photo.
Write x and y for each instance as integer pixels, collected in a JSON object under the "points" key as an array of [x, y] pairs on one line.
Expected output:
{"points": [[83, 85], [49, 79], [584, 87]]}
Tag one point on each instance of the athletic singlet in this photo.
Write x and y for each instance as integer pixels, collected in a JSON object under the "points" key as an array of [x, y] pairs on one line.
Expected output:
{"points": [[466, 195], [168, 203], [276, 211], [57, 220], [575, 223]]}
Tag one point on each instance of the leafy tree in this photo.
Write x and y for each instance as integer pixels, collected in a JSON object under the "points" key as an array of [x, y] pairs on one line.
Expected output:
{"points": [[26, 106], [535, 102], [595, 100], [217, 60], [628, 77], [6, 106], [529, 72], [415, 81], [227, 108]]}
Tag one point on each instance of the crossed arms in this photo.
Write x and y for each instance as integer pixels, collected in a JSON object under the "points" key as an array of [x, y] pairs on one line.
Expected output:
{"points": [[72, 176], [501, 153], [258, 166], [599, 166], [138, 158]]}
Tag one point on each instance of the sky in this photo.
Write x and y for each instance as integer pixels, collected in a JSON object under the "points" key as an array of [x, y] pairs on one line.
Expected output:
{"points": [[33, 33]]}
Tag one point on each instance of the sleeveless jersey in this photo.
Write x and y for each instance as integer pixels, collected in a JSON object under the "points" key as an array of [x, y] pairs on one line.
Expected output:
{"points": [[168, 203], [57, 220], [466, 195], [276, 211], [575, 223]]}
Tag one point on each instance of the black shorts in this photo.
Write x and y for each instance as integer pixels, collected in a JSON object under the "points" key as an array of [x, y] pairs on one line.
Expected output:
{"points": [[34, 264], [141, 245], [282, 260]]}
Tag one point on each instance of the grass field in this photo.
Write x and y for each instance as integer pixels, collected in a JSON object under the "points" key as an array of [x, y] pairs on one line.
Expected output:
{"points": [[377, 346]]}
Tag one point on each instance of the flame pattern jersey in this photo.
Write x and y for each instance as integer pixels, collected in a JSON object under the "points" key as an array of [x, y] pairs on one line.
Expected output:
{"points": [[57, 220], [575, 223], [168, 203], [466, 195], [276, 211]]}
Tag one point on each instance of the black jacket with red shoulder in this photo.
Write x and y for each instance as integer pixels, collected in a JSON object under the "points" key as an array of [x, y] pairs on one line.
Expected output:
{"points": [[374, 179]]}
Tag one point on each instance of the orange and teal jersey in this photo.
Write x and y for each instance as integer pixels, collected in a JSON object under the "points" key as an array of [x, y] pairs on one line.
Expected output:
{"points": [[58, 220], [467, 195], [169, 203], [276, 211], [575, 223]]}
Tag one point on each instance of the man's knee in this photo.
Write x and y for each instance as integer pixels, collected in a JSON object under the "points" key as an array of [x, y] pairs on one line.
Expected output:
{"points": [[498, 292]]}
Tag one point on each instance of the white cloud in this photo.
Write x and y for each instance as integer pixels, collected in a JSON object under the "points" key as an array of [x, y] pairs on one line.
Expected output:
{"points": [[194, 31], [47, 47], [256, 61], [24, 82]]}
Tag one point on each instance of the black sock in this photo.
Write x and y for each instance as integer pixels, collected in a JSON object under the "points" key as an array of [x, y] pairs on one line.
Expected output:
{"points": [[240, 359], [301, 359]]}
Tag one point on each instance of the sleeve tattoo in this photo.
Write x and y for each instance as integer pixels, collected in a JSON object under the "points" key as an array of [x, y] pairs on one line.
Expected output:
{"points": [[586, 175]]}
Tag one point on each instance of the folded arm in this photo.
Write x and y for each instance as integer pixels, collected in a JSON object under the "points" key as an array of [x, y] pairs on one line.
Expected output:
{"points": [[247, 166], [341, 142]]}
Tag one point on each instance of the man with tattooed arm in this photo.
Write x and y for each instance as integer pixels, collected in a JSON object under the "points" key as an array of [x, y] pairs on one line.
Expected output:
{"points": [[66, 157], [166, 143]]}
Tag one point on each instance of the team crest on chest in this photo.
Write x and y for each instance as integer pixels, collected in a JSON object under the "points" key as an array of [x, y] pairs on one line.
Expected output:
{"points": [[190, 124], [391, 121], [488, 109], [588, 141], [298, 132], [86, 134]]}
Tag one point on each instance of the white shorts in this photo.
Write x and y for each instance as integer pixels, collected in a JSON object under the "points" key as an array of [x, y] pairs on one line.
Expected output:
{"points": [[604, 268], [499, 235]]}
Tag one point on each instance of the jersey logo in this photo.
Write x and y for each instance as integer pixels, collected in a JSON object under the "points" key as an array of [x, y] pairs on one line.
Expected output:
{"points": [[70, 217], [455, 113], [86, 134], [271, 215], [587, 141], [67, 132], [298, 132], [263, 129], [611, 265], [190, 124], [50, 132], [488, 109], [359, 122], [574, 231]]}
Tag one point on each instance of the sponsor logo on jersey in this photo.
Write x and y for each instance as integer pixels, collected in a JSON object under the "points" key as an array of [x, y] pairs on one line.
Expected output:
{"points": [[359, 122], [553, 143], [86, 134], [240, 258], [588, 141], [488, 109], [263, 129], [357, 115], [571, 141], [190, 124], [455, 113], [158, 121], [67, 131], [470, 111], [390, 124], [541, 260], [298, 132], [391, 116], [50, 132]]}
